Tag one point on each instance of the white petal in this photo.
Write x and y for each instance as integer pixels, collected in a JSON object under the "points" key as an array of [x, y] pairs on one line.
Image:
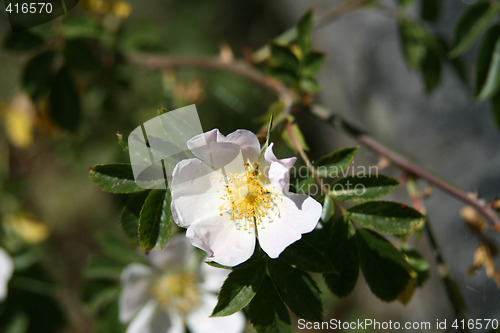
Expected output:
{"points": [[199, 321], [249, 143], [136, 281], [192, 176], [222, 240], [217, 150], [151, 319], [194, 192], [173, 256], [212, 150], [307, 215], [298, 214], [278, 171], [6, 270], [213, 277]]}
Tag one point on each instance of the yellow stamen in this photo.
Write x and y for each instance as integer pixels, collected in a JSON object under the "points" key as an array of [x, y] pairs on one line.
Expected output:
{"points": [[245, 197]]}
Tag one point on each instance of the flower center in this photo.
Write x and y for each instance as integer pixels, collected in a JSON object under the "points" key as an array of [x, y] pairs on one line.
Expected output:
{"points": [[177, 291], [245, 199]]}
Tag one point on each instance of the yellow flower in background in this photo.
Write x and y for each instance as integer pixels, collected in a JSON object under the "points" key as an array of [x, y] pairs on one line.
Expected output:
{"points": [[19, 118], [19, 128], [122, 9], [28, 228], [96, 6]]}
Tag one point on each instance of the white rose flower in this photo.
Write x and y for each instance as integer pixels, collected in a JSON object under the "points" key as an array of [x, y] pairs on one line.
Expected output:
{"points": [[165, 295], [6, 270], [230, 195]]}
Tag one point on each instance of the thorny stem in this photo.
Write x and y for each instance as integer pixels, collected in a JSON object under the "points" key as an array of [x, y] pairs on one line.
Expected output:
{"points": [[451, 288], [302, 153], [453, 294]]}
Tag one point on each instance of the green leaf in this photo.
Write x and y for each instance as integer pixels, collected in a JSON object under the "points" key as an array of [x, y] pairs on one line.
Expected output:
{"points": [[312, 63], [297, 289], [307, 186], [108, 320], [304, 32], [216, 265], [22, 41], [328, 209], [268, 136], [413, 42], [155, 222], [474, 20], [129, 218], [418, 264], [284, 57], [385, 270], [488, 64], [267, 312], [101, 267], [140, 37], [116, 249], [309, 85], [282, 74], [19, 322], [276, 110], [385, 216], [298, 135], [363, 187], [38, 74], [342, 252], [74, 27], [306, 254], [331, 165], [81, 54], [114, 178], [495, 106], [64, 101], [103, 298], [430, 69], [430, 9], [238, 290], [456, 63]]}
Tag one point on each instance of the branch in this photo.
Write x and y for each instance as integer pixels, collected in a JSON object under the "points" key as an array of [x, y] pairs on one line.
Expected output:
{"points": [[162, 62], [408, 166], [452, 292]]}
